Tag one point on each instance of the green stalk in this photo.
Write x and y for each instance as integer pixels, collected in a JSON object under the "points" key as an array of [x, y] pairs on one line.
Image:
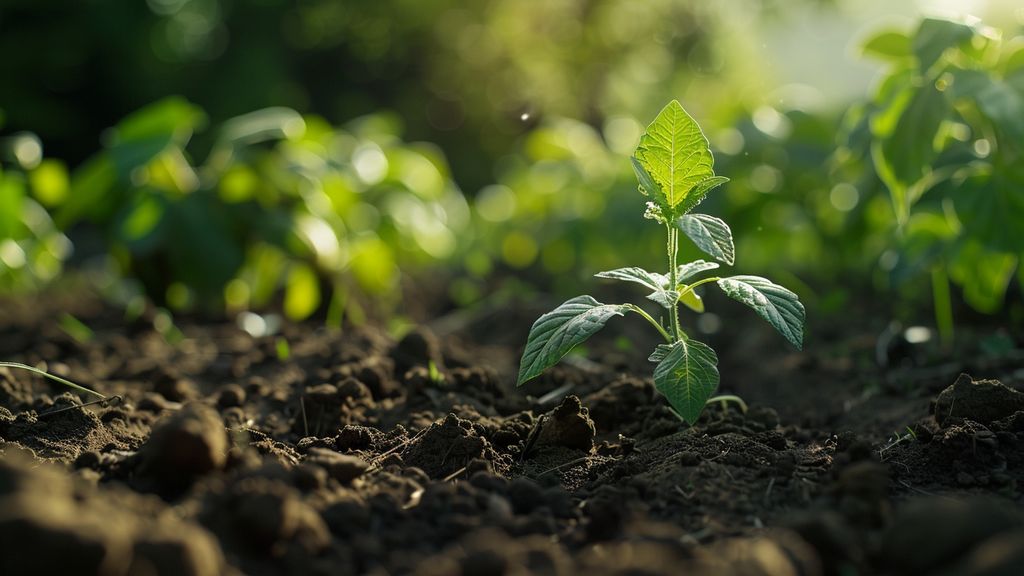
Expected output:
{"points": [[698, 283], [649, 318], [943, 306], [673, 251]]}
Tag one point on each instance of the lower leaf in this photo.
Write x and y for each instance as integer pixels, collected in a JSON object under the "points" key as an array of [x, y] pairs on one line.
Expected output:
{"points": [[554, 334], [687, 375]]}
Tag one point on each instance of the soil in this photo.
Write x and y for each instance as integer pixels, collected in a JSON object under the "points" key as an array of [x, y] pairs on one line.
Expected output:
{"points": [[360, 454]]}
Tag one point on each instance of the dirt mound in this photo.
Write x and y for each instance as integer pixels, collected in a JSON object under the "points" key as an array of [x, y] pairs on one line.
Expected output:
{"points": [[359, 455]]}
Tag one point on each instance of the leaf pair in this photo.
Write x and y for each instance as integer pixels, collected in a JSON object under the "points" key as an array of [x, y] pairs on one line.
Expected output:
{"points": [[687, 372], [662, 292]]}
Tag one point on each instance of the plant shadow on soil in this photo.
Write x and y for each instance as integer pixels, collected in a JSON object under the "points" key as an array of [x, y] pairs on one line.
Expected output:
{"points": [[353, 457]]}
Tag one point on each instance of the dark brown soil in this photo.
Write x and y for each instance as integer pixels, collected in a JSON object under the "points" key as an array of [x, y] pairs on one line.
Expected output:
{"points": [[354, 456]]}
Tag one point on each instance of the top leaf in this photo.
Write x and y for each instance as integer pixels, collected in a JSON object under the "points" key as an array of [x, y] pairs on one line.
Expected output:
{"points": [[677, 160]]}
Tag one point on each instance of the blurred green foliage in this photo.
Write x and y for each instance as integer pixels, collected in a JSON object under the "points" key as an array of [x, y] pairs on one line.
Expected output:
{"points": [[32, 248], [945, 132], [531, 114], [280, 203]]}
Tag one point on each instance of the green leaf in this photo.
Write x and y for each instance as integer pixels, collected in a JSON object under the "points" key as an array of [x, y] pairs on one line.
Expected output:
{"points": [[676, 157], [658, 283], [660, 351], [12, 195], [554, 334], [935, 36], [985, 276], [687, 376], [904, 146], [92, 193], [648, 187], [693, 301], [146, 133], [888, 45], [779, 306], [710, 234], [1004, 106], [666, 298], [205, 254], [699, 192], [686, 271], [651, 280], [991, 208], [301, 292]]}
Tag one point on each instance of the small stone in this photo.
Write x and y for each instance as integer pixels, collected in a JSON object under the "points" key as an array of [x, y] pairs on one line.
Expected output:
{"points": [[569, 425], [965, 479], [353, 389], [353, 438], [88, 459], [231, 396], [341, 467], [189, 444], [176, 389], [418, 348], [525, 495]]}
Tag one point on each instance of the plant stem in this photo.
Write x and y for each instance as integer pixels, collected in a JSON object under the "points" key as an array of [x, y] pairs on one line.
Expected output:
{"points": [[673, 251], [655, 323], [698, 283], [943, 306], [51, 377]]}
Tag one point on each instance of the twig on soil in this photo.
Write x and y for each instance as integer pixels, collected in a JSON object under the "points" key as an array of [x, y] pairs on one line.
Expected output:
{"points": [[555, 394], [454, 475], [570, 463], [925, 492], [375, 464], [53, 377], [305, 423], [768, 491], [447, 453], [532, 438], [724, 452], [684, 494], [103, 402]]}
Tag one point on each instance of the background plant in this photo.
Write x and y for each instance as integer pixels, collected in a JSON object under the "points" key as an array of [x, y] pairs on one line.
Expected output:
{"points": [[675, 167], [281, 202], [944, 130]]}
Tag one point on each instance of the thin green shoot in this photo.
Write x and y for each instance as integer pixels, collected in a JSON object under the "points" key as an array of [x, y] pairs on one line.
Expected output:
{"points": [[53, 377], [284, 351]]}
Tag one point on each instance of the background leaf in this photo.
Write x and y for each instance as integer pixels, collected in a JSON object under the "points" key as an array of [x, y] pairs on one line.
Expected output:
{"points": [[933, 38], [676, 155], [301, 293], [687, 376], [779, 306], [710, 234], [554, 334], [888, 45]]}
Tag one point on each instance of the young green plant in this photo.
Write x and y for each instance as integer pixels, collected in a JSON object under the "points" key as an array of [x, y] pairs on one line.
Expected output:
{"points": [[675, 168]]}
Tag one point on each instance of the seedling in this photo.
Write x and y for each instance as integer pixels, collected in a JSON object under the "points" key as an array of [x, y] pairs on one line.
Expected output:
{"points": [[675, 168], [53, 377]]}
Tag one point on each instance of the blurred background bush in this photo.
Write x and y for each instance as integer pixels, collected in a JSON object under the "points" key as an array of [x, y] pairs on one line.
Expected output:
{"points": [[305, 154]]}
